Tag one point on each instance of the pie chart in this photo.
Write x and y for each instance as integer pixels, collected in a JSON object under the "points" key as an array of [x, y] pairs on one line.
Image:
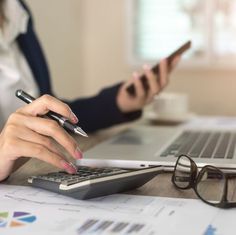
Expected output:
{"points": [[15, 219]]}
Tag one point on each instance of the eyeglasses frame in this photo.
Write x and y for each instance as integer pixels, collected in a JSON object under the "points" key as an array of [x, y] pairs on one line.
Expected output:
{"points": [[195, 177]]}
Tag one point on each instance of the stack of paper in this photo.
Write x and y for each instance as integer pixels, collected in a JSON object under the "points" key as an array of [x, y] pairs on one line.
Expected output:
{"points": [[26, 210]]}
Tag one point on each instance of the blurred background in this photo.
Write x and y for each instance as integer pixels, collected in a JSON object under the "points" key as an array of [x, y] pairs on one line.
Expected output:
{"points": [[91, 44]]}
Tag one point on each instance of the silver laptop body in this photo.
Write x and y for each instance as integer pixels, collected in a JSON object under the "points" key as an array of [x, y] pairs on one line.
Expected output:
{"points": [[144, 145]]}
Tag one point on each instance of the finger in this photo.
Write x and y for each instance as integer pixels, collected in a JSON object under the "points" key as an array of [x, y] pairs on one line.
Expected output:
{"points": [[47, 103], [154, 87], [26, 134], [139, 90], [29, 149], [128, 82], [175, 62], [163, 73], [50, 128]]}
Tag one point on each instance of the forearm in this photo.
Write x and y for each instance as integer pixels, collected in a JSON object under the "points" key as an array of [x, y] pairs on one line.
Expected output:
{"points": [[101, 111]]}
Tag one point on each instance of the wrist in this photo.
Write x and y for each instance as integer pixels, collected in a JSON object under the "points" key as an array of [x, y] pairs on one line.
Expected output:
{"points": [[120, 105], [122, 102]]}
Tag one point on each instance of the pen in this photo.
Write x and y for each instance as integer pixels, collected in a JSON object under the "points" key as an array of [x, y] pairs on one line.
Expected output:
{"points": [[64, 122]]}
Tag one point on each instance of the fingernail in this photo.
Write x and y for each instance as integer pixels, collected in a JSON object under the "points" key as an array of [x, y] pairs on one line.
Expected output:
{"points": [[78, 153], [73, 117], [135, 75], [69, 167], [73, 166], [146, 67]]}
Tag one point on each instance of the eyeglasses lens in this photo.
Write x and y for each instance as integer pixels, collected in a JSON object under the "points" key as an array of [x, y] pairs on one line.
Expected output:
{"points": [[231, 197], [182, 175], [210, 185]]}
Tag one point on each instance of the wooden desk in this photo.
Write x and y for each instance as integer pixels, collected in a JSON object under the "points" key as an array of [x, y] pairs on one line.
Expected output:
{"points": [[161, 185]]}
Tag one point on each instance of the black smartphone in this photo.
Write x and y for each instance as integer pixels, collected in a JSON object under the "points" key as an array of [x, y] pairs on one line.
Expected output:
{"points": [[131, 90]]}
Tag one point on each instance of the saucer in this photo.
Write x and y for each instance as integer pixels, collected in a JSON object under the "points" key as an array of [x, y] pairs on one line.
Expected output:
{"points": [[168, 119]]}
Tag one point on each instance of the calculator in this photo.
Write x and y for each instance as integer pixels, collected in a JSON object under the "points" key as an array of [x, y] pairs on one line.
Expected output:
{"points": [[90, 182]]}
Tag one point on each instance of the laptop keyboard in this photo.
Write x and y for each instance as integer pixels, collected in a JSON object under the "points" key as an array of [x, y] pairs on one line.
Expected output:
{"points": [[203, 144]]}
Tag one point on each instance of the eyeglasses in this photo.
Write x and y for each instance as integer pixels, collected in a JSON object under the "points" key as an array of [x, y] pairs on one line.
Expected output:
{"points": [[211, 185]]}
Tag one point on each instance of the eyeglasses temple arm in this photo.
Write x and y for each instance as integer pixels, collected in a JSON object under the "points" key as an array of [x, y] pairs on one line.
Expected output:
{"points": [[230, 205], [230, 175]]}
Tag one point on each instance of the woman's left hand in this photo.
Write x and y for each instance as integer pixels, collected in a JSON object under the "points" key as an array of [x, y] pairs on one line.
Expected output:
{"points": [[129, 103]]}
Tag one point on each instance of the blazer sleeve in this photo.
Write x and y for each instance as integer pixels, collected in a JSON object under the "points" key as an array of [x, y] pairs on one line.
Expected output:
{"points": [[101, 111], [94, 113]]}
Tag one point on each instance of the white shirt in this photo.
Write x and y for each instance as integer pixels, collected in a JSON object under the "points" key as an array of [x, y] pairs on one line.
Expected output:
{"points": [[15, 72]]}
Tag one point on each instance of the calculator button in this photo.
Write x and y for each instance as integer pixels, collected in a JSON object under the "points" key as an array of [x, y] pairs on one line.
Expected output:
{"points": [[57, 180], [64, 182], [71, 181], [83, 173]]}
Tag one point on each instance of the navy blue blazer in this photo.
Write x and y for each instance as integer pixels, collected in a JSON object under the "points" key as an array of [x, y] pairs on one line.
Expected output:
{"points": [[99, 111]]}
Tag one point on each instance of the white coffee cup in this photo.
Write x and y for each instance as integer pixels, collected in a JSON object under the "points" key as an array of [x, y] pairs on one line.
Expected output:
{"points": [[170, 105]]}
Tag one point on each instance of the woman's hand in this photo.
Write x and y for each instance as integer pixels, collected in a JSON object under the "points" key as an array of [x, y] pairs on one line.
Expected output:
{"points": [[128, 103], [26, 134]]}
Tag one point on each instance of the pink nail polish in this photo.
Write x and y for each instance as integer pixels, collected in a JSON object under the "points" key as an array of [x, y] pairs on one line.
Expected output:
{"points": [[78, 153], [69, 167], [74, 118]]}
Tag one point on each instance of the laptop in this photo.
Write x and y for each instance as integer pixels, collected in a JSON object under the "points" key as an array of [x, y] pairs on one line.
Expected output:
{"points": [[208, 140]]}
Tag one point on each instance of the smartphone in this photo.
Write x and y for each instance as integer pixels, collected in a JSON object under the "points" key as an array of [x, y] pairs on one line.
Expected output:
{"points": [[131, 89]]}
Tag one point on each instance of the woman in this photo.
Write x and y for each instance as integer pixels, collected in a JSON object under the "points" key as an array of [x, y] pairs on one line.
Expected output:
{"points": [[23, 66]]}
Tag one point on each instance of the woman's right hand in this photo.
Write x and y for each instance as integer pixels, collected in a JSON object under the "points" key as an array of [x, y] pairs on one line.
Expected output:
{"points": [[29, 135]]}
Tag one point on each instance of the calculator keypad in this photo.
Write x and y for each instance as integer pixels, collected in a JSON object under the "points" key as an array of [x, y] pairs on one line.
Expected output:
{"points": [[83, 173]]}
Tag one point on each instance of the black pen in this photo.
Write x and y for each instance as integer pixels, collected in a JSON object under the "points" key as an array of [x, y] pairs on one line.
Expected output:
{"points": [[64, 122]]}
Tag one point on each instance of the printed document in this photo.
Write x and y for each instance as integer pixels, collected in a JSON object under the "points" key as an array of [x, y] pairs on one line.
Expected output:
{"points": [[27, 210]]}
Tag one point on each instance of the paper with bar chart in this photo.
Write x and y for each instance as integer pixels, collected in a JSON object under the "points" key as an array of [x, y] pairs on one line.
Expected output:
{"points": [[26, 210]]}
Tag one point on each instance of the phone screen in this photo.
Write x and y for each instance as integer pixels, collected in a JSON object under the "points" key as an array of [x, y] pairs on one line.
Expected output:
{"points": [[131, 89]]}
